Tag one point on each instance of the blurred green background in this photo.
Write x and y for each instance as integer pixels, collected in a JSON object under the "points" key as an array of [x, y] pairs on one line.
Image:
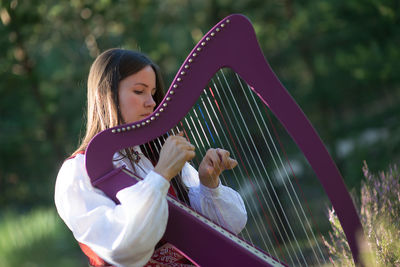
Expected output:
{"points": [[339, 59]]}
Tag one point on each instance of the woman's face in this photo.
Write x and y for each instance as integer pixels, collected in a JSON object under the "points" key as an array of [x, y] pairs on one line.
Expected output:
{"points": [[135, 94]]}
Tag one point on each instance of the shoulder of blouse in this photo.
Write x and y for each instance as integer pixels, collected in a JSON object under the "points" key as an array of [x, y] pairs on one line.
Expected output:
{"points": [[73, 171], [75, 164]]}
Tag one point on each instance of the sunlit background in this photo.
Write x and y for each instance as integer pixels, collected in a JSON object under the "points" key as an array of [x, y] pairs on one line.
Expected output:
{"points": [[339, 59]]}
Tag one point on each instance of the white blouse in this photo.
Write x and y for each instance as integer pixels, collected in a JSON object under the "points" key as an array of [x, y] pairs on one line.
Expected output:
{"points": [[126, 234]]}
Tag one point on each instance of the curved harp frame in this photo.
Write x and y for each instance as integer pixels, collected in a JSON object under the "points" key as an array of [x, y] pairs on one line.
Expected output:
{"points": [[231, 43]]}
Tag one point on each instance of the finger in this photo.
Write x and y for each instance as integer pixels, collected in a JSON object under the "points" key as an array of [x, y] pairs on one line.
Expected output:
{"points": [[213, 157], [190, 155], [227, 162], [210, 170], [224, 156], [181, 134], [179, 140], [218, 161], [188, 146], [223, 152], [184, 143], [232, 163]]}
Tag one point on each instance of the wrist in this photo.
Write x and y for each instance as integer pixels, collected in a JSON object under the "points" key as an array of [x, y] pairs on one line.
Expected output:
{"points": [[163, 173], [210, 192], [210, 184]]}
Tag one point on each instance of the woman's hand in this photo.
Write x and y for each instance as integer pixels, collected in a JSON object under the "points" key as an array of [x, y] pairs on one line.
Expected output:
{"points": [[214, 162], [175, 152]]}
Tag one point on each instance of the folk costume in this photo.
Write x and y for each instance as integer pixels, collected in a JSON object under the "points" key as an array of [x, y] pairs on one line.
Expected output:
{"points": [[128, 233]]}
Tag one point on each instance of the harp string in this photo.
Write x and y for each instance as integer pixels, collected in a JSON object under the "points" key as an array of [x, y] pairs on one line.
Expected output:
{"points": [[322, 255], [250, 105], [254, 103], [229, 179], [202, 150], [266, 172], [234, 172], [251, 163], [195, 126], [238, 156], [283, 166], [221, 220], [152, 151], [239, 182], [264, 188], [179, 187], [224, 174], [200, 154], [261, 233]]}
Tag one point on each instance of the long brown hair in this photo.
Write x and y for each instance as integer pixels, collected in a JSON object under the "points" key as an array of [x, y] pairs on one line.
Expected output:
{"points": [[109, 68], [103, 112]]}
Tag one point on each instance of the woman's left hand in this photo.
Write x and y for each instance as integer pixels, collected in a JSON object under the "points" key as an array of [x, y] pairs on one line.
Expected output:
{"points": [[213, 164]]}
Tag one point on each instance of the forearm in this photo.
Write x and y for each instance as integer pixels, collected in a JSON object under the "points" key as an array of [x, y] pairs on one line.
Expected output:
{"points": [[122, 234], [143, 215], [222, 205]]}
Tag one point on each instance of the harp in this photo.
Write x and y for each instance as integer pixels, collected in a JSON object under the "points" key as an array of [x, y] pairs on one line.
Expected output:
{"points": [[231, 43]]}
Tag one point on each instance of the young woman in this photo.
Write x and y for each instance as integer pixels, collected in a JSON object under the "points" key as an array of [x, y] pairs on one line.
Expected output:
{"points": [[123, 87]]}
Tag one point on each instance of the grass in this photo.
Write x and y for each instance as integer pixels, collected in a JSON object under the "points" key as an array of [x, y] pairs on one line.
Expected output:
{"points": [[37, 238], [379, 210]]}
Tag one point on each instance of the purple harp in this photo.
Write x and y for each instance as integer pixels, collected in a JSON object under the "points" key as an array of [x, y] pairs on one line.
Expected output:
{"points": [[230, 44]]}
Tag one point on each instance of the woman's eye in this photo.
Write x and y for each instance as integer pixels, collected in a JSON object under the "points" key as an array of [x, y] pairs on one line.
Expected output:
{"points": [[138, 92]]}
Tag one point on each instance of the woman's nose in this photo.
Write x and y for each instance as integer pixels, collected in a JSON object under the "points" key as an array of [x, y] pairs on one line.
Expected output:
{"points": [[150, 102]]}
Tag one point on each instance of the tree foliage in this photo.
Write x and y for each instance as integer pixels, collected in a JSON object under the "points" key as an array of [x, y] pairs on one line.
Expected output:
{"points": [[339, 59]]}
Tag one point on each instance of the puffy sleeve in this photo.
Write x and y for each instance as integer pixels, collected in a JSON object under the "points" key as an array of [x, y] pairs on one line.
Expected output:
{"points": [[222, 204], [123, 234]]}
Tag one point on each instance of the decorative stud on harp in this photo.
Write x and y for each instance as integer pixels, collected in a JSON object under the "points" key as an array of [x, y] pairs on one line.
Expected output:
{"points": [[230, 44]]}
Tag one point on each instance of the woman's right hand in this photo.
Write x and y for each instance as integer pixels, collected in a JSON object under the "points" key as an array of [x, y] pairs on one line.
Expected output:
{"points": [[173, 156]]}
